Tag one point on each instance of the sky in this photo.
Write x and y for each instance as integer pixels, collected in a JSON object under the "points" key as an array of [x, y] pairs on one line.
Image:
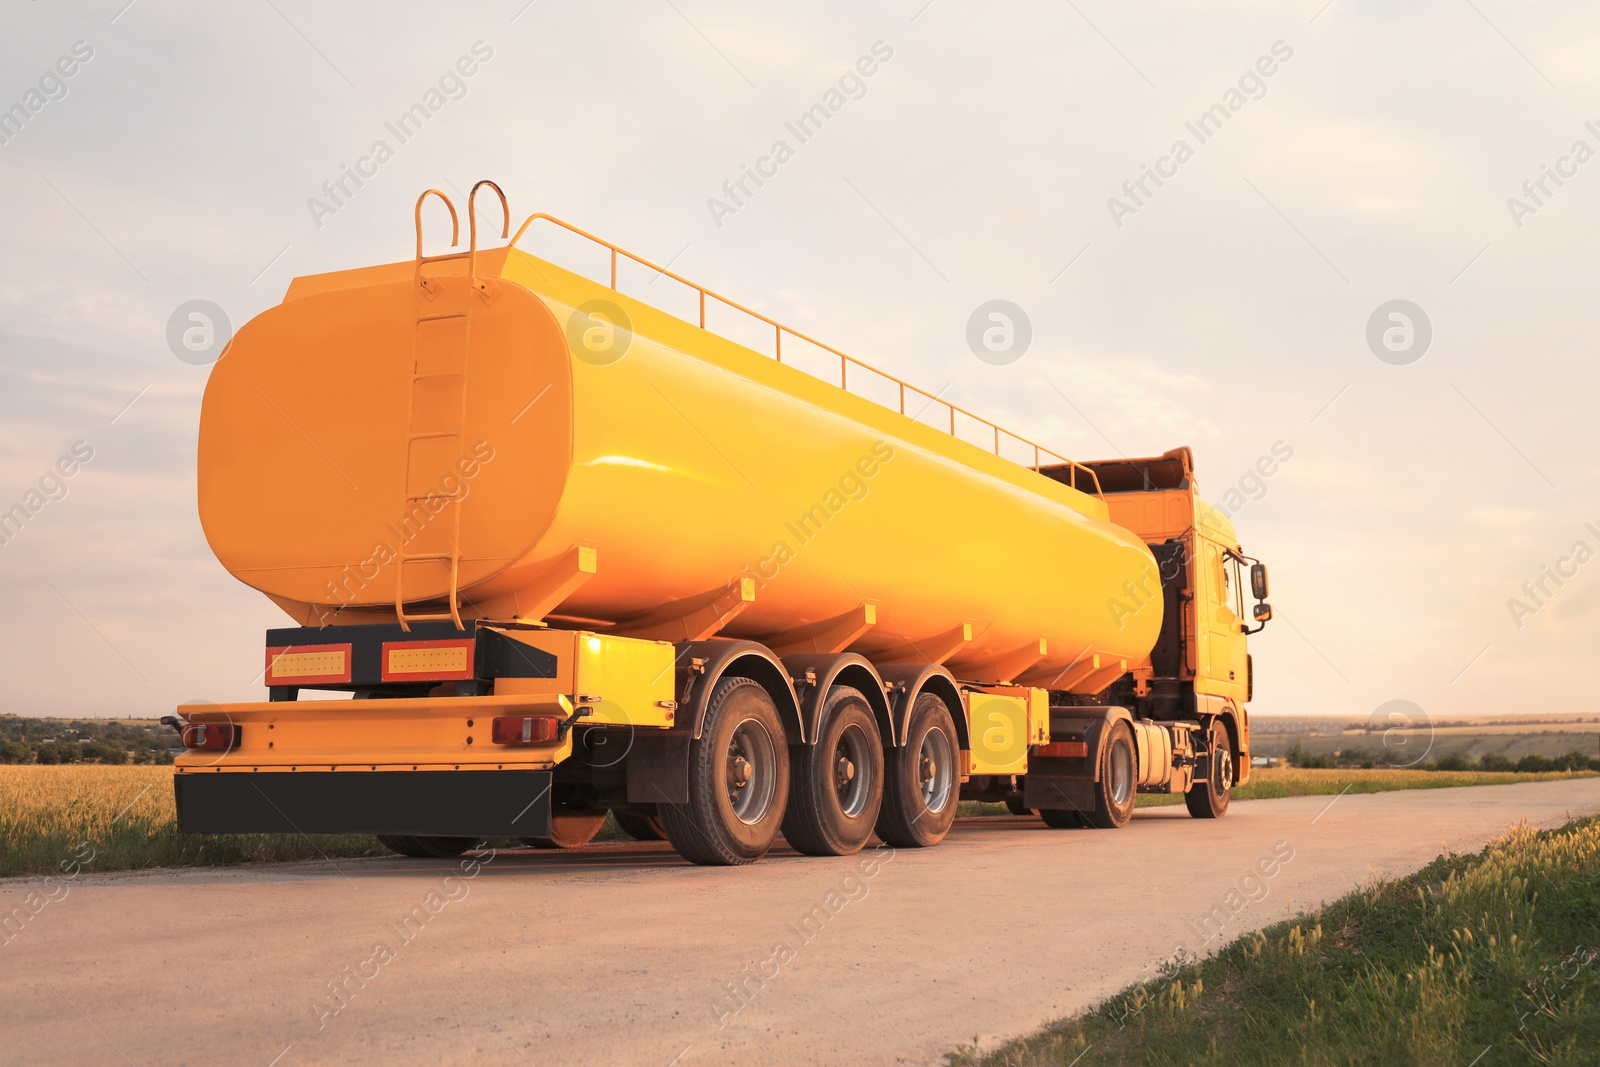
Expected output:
{"points": [[1441, 463]]}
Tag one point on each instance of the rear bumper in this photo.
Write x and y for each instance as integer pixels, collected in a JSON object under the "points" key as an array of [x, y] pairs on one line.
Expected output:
{"points": [[492, 803]]}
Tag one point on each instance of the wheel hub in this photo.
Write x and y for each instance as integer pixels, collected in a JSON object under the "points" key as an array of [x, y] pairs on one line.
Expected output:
{"points": [[750, 770], [844, 771]]}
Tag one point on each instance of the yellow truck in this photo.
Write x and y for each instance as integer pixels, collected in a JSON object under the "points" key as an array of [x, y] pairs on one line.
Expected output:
{"points": [[570, 554]]}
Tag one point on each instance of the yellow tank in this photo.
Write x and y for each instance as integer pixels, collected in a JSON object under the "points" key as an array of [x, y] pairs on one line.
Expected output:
{"points": [[452, 433]]}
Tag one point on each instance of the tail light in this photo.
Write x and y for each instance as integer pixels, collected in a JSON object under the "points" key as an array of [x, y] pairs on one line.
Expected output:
{"points": [[1065, 749], [524, 730], [211, 735]]}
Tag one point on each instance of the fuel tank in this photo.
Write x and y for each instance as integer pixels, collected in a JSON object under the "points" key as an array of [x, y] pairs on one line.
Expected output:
{"points": [[466, 443]]}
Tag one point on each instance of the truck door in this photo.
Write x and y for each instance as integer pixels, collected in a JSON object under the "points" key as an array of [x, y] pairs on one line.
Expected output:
{"points": [[1219, 603]]}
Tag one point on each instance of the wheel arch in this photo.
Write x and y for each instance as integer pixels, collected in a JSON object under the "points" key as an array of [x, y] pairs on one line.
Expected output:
{"points": [[908, 681], [1241, 763], [702, 664], [845, 668]]}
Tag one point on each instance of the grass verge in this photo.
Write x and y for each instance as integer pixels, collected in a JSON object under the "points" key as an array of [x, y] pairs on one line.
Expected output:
{"points": [[1271, 783], [1483, 959]]}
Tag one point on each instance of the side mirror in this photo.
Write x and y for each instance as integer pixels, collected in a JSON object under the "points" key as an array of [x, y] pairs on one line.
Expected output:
{"points": [[1258, 581], [1263, 611]]}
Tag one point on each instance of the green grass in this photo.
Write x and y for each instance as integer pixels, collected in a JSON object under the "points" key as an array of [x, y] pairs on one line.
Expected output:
{"points": [[1482, 959]]}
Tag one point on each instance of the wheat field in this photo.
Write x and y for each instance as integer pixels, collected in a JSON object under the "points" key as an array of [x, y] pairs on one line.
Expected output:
{"points": [[77, 818]]}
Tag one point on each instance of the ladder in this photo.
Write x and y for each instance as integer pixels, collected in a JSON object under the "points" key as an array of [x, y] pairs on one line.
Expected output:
{"points": [[436, 413]]}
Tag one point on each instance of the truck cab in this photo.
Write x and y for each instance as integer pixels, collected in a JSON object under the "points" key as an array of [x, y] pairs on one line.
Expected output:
{"points": [[1200, 667]]}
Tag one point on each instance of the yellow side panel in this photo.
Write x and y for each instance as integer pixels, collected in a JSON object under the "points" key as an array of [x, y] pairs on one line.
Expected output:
{"points": [[624, 679], [1038, 717], [631, 679]]}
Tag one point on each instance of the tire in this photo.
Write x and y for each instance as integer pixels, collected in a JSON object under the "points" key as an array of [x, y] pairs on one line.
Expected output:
{"points": [[922, 779], [1117, 789], [640, 827], [1208, 799], [1015, 805], [574, 822], [836, 785], [1062, 818], [433, 848], [738, 780]]}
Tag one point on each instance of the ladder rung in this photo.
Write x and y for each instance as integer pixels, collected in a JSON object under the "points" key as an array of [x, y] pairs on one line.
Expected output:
{"points": [[445, 256], [429, 617], [438, 557]]}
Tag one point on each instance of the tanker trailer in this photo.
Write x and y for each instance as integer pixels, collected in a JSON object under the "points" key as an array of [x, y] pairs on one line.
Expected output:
{"points": [[569, 554]]}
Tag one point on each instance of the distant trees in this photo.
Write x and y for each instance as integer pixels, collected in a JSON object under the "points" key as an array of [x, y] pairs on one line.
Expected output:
{"points": [[57, 741], [1358, 757]]}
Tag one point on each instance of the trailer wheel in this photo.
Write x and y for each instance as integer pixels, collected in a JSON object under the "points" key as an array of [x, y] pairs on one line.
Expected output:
{"points": [[640, 827], [1061, 818], [1208, 799], [573, 823], [1115, 792], [836, 785], [426, 847], [922, 779], [1015, 805], [738, 779]]}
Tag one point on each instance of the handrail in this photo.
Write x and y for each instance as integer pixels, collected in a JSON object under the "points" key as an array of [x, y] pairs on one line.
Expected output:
{"points": [[455, 223], [472, 221], [845, 360]]}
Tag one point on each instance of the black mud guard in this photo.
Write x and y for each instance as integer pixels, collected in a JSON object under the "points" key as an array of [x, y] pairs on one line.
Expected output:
{"points": [[1092, 721], [814, 674], [701, 664], [907, 681]]}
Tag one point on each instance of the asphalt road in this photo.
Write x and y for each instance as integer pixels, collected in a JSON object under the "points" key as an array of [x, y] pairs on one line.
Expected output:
{"points": [[623, 954]]}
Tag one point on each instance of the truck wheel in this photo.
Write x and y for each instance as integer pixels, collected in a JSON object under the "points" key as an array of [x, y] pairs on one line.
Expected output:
{"points": [[1209, 799], [640, 827], [426, 847], [922, 779], [573, 823], [1115, 792], [836, 785], [738, 780]]}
